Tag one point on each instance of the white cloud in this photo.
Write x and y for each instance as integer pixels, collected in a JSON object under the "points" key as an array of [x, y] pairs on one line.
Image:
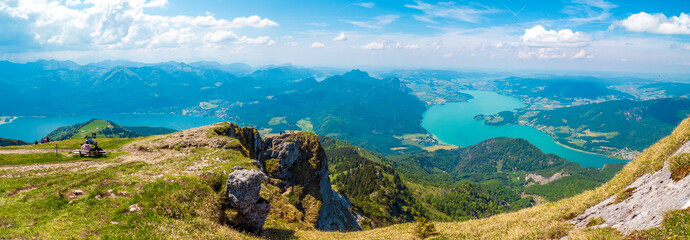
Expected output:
{"points": [[291, 44], [220, 36], [317, 45], [366, 4], [72, 2], [340, 37], [450, 54], [155, 3], [121, 24], [252, 21], [582, 54], [172, 37], [543, 53], [374, 45], [377, 22], [263, 40], [450, 11], [656, 23], [539, 36], [412, 46]]}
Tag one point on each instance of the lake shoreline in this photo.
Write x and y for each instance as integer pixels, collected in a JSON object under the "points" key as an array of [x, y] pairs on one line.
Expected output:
{"points": [[454, 124]]}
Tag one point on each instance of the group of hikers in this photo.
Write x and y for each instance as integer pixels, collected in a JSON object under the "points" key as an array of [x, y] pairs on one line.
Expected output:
{"points": [[43, 140], [90, 145]]}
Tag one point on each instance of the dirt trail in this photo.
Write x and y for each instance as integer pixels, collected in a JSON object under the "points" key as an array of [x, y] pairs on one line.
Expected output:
{"points": [[29, 151], [135, 154]]}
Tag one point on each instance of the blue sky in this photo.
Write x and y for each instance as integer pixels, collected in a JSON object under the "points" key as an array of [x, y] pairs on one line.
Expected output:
{"points": [[569, 35]]}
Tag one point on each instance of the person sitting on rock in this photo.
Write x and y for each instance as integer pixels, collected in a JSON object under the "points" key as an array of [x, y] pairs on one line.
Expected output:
{"points": [[86, 147]]}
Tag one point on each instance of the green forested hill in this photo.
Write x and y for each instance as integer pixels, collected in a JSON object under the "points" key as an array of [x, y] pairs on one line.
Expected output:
{"points": [[617, 124], [373, 187], [104, 129], [377, 190], [11, 142], [506, 160]]}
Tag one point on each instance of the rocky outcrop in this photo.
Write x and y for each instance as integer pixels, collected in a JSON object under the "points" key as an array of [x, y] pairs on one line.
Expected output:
{"points": [[249, 137], [643, 203], [544, 180], [242, 192], [296, 163]]}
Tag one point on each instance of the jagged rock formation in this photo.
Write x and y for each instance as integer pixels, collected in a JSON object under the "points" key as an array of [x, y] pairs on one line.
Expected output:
{"points": [[242, 191], [544, 180], [297, 164], [643, 203], [249, 137], [294, 162]]}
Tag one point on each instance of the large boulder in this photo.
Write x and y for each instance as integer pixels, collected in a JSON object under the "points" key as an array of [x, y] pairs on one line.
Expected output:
{"points": [[242, 191]]}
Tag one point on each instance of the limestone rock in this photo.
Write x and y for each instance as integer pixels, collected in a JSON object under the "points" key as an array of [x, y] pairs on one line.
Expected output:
{"points": [[242, 191], [243, 187], [254, 217], [648, 199]]}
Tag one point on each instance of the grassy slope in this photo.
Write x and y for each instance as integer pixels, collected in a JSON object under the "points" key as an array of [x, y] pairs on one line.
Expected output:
{"points": [[177, 204], [543, 221]]}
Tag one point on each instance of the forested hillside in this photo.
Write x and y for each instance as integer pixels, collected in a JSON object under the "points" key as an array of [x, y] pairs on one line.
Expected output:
{"points": [[620, 124]]}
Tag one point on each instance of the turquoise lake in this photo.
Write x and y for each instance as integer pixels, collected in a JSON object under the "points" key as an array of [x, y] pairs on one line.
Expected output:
{"points": [[34, 128], [454, 123]]}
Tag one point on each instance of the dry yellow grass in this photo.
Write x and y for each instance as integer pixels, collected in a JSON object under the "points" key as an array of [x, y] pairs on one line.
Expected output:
{"points": [[546, 221]]}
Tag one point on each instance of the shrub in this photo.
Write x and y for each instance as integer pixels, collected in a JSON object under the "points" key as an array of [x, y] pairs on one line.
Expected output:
{"points": [[425, 228], [679, 166], [595, 221]]}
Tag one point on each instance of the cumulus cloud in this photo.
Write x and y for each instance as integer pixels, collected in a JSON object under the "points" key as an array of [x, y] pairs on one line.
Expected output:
{"points": [[449, 10], [366, 4], [317, 45], [123, 24], [582, 54], [340, 37], [377, 22], [656, 23], [447, 55], [374, 45], [540, 37], [263, 40], [542, 53], [220, 36]]}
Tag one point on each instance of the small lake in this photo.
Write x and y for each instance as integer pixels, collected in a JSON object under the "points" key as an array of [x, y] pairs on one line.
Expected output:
{"points": [[34, 128], [454, 124]]}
